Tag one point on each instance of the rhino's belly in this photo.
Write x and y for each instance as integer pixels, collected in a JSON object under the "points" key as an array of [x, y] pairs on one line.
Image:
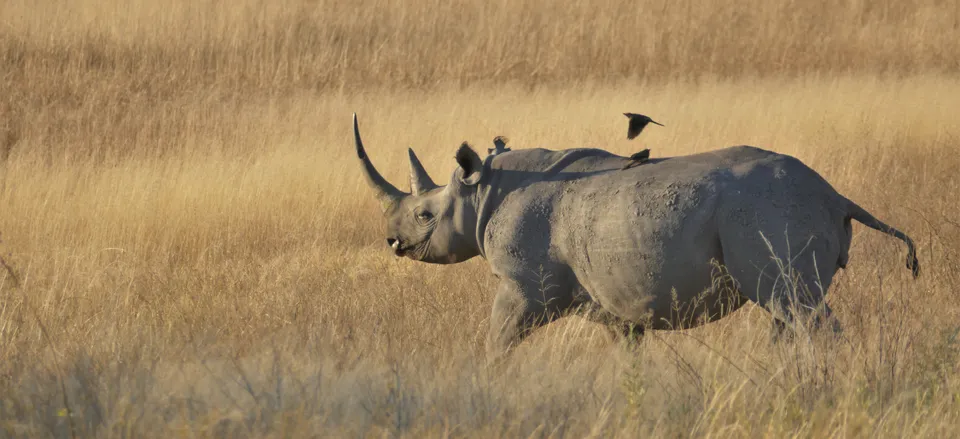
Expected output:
{"points": [[660, 269], [661, 290]]}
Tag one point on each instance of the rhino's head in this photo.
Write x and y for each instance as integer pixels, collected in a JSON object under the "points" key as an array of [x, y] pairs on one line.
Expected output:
{"points": [[432, 223]]}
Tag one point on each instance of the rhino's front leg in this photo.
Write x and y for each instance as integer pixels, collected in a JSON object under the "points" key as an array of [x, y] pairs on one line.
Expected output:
{"points": [[519, 309]]}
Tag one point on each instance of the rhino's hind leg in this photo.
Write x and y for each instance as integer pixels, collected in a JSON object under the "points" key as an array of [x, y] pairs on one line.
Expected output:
{"points": [[789, 280], [794, 293]]}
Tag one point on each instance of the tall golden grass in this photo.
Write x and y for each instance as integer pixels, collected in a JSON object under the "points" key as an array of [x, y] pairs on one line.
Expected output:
{"points": [[189, 249]]}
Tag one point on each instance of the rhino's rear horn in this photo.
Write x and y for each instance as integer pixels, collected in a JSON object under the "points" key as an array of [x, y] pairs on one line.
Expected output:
{"points": [[420, 181], [386, 193]]}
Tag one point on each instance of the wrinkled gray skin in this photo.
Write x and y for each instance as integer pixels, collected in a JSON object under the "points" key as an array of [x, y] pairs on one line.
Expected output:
{"points": [[638, 248]]}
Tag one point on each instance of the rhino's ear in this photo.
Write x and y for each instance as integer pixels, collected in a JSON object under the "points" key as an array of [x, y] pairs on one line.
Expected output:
{"points": [[471, 166]]}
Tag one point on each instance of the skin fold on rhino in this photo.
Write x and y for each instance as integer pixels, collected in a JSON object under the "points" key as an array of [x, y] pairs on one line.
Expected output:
{"points": [[674, 243]]}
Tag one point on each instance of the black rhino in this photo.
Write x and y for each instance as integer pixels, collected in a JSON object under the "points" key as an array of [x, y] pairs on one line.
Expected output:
{"points": [[673, 243]]}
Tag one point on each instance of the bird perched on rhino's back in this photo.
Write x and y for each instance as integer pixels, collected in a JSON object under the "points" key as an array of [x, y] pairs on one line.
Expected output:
{"points": [[637, 123], [499, 146], [633, 248], [637, 158]]}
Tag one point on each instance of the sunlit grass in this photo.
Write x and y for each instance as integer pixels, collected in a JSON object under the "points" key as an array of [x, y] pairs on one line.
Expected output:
{"points": [[192, 249]]}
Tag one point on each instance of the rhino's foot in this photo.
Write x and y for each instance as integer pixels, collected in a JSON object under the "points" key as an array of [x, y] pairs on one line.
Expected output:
{"points": [[628, 332], [617, 327], [496, 361], [817, 324], [633, 333], [780, 332]]}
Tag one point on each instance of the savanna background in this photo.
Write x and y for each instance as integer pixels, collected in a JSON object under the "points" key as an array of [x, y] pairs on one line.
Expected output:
{"points": [[189, 248]]}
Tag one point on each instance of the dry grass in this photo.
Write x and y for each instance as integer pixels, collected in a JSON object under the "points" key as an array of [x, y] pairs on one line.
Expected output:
{"points": [[151, 50], [193, 251]]}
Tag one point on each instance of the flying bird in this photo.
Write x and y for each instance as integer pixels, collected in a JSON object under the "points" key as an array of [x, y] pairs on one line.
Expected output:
{"points": [[637, 123]]}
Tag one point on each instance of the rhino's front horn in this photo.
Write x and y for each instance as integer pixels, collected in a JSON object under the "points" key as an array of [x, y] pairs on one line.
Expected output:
{"points": [[420, 181], [386, 193]]}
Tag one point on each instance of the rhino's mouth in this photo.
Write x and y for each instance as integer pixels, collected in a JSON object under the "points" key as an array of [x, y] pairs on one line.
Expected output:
{"points": [[412, 250], [401, 252], [397, 246]]}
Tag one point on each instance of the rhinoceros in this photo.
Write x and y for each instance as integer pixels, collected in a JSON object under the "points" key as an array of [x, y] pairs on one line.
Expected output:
{"points": [[655, 246]]}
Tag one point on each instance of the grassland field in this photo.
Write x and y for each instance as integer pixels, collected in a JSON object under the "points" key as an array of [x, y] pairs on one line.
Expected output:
{"points": [[189, 248]]}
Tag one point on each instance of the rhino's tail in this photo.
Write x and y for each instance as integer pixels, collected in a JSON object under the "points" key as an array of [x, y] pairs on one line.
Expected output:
{"points": [[860, 214]]}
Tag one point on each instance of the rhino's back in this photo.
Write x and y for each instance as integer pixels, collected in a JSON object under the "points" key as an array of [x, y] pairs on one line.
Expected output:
{"points": [[587, 189], [650, 204], [554, 201], [538, 164]]}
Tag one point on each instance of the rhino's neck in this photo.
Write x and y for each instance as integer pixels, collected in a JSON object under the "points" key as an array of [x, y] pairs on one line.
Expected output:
{"points": [[485, 202], [503, 171]]}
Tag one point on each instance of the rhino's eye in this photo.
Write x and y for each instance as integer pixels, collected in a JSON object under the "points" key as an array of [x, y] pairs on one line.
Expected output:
{"points": [[424, 217]]}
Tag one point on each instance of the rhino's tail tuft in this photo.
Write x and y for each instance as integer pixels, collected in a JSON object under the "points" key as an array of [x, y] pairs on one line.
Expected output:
{"points": [[860, 214]]}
